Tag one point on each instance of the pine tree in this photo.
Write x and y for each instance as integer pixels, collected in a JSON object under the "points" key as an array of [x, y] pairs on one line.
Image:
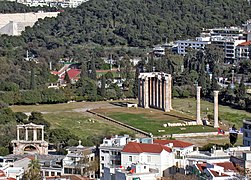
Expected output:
{"points": [[241, 92]]}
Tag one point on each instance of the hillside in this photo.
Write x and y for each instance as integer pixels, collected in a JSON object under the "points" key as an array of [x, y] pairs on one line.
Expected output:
{"points": [[137, 23], [76, 33]]}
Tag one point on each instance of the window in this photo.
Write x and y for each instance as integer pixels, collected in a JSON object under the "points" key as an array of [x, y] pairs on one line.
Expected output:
{"points": [[148, 158], [102, 166], [58, 173], [130, 158], [102, 158], [46, 173], [52, 173]]}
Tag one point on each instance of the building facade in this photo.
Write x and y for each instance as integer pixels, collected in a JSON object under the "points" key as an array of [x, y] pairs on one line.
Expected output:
{"points": [[246, 132]]}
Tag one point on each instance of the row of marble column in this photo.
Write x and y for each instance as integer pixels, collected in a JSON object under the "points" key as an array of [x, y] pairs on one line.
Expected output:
{"points": [[216, 108], [27, 133], [155, 92]]}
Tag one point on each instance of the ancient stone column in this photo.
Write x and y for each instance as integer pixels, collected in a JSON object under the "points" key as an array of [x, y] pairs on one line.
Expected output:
{"points": [[18, 133], [198, 118], [154, 92], [157, 93], [146, 91], [166, 93], [216, 109], [160, 94], [150, 92], [139, 92], [170, 91]]}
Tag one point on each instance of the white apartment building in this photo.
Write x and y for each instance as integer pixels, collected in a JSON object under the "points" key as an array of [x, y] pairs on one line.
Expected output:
{"points": [[77, 159], [228, 44], [110, 152], [246, 129], [198, 44], [134, 172], [215, 156], [179, 148], [158, 157], [243, 51]]}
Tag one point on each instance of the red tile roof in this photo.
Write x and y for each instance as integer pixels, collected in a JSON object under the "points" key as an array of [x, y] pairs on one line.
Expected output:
{"points": [[217, 174], [201, 167], [176, 143], [73, 73], [133, 147], [228, 166], [2, 173], [245, 43]]}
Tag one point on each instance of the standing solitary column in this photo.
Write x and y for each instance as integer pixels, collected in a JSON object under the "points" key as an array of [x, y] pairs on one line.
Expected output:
{"points": [[139, 92], [216, 109], [198, 118]]}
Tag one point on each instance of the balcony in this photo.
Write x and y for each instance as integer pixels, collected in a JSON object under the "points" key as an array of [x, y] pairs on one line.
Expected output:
{"points": [[247, 139]]}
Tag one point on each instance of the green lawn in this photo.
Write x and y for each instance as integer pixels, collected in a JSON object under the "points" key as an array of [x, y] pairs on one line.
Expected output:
{"points": [[150, 120], [152, 124], [228, 115], [81, 125]]}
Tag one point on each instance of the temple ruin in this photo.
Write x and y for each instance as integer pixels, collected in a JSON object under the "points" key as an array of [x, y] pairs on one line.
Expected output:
{"points": [[155, 91]]}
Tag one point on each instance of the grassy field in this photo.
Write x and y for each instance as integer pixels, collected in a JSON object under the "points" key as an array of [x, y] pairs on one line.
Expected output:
{"points": [[228, 115], [151, 120], [71, 116]]}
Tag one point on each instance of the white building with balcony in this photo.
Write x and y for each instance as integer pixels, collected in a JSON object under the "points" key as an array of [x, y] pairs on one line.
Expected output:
{"points": [[246, 129], [198, 44], [79, 158], [243, 51], [158, 157], [110, 152]]}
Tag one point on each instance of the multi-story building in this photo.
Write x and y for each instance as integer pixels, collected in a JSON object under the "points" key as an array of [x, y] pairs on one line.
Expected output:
{"points": [[243, 51], [228, 44], [110, 152], [198, 44], [158, 157], [246, 132], [180, 150], [78, 160]]}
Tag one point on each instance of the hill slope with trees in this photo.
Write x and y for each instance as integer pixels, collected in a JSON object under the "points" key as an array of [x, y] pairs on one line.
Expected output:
{"points": [[80, 34]]}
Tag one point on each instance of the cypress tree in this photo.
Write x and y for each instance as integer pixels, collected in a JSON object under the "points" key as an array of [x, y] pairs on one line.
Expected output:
{"points": [[67, 78], [103, 82], [32, 79]]}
